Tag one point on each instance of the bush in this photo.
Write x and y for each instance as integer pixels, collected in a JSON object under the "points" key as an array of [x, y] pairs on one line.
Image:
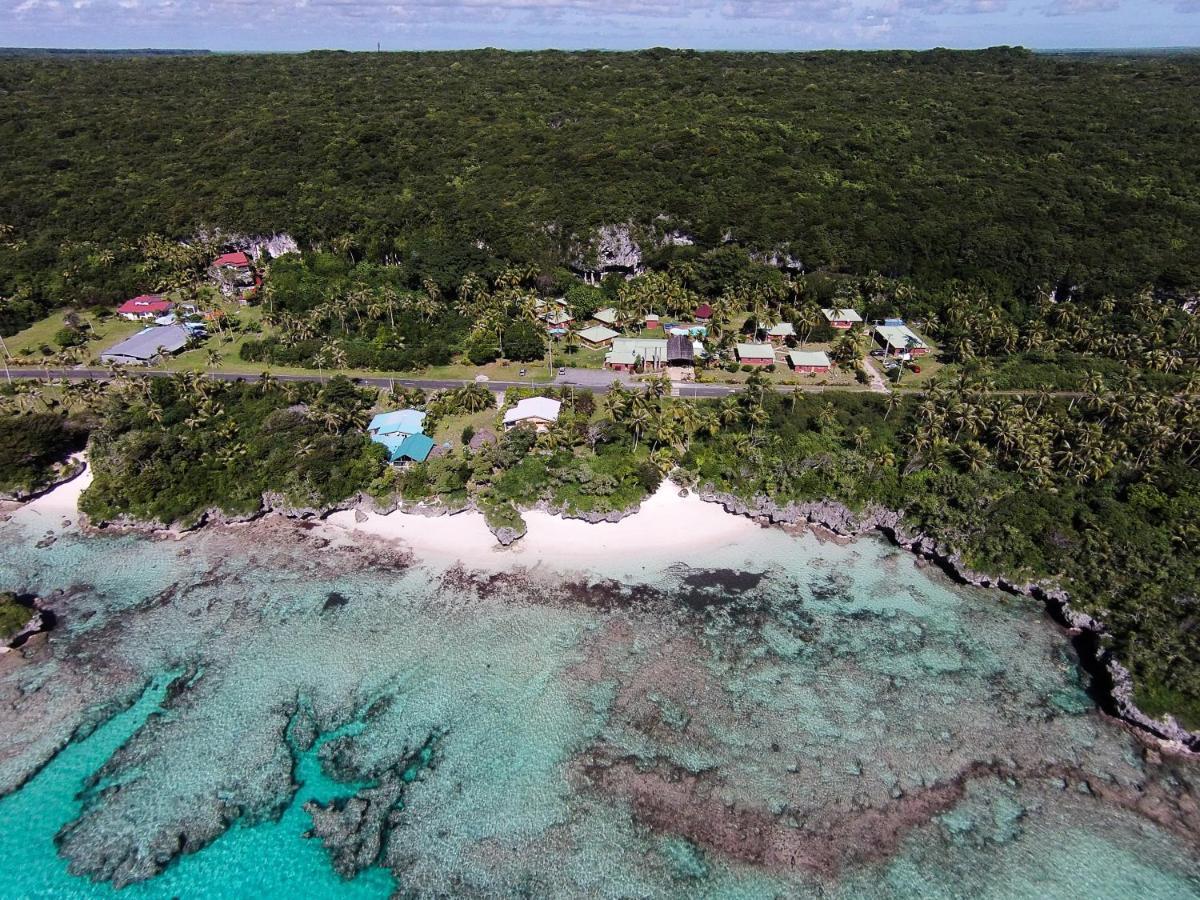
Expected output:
{"points": [[746, 367], [730, 367], [13, 615], [69, 337], [467, 433], [482, 349], [524, 342], [769, 367]]}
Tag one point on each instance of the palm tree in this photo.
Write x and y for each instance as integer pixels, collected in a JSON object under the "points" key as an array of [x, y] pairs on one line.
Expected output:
{"points": [[213, 358], [640, 419], [808, 319], [892, 403], [475, 398], [617, 401]]}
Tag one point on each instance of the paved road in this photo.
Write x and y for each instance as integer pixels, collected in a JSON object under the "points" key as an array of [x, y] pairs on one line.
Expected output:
{"points": [[594, 379]]}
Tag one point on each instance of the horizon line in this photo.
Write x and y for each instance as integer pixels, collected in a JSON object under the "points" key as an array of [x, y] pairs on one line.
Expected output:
{"points": [[1167, 48]]}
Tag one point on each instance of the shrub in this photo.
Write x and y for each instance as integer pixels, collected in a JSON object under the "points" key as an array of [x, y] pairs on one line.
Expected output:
{"points": [[69, 337]]}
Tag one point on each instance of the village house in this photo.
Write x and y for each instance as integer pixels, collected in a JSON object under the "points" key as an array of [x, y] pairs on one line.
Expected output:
{"points": [[778, 334], [411, 448], [234, 275], [402, 422], [557, 319], [629, 353], [841, 318], [702, 313], [147, 345], [147, 306], [536, 412], [597, 336], [653, 321], [900, 341], [809, 362], [401, 432], [755, 354], [608, 317]]}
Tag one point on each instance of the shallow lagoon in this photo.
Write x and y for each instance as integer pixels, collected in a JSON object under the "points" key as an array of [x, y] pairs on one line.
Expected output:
{"points": [[771, 717]]}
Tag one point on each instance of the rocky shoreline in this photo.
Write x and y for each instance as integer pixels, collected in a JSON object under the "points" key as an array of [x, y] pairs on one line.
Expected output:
{"points": [[1113, 683], [42, 620]]}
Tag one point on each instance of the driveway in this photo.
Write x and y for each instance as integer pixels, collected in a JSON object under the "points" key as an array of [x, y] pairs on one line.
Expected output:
{"points": [[878, 384]]}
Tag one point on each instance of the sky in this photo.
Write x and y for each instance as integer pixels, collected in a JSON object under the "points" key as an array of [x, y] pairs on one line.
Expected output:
{"points": [[607, 24]]}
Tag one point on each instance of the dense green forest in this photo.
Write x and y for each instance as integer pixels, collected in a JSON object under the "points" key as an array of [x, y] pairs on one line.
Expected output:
{"points": [[997, 168], [168, 450]]}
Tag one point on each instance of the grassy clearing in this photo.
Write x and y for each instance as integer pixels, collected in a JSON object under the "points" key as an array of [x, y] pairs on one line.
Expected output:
{"points": [[450, 429], [36, 343]]}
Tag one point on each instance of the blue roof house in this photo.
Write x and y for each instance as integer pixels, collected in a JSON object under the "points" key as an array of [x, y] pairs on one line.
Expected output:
{"points": [[401, 422], [415, 447], [400, 432]]}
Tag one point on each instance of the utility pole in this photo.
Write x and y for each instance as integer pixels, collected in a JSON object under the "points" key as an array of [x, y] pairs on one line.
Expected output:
{"points": [[4, 350]]}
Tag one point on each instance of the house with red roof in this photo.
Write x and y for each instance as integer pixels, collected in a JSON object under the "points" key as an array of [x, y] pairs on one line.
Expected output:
{"points": [[235, 276], [702, 313], [147, 306]]}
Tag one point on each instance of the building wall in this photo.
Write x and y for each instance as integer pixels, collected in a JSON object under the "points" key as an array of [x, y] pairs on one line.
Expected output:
{"points": [[756, 362], [811, 370]]}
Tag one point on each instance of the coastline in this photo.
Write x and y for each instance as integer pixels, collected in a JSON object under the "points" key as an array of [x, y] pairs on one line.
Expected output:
{"points": [[670, 521]]}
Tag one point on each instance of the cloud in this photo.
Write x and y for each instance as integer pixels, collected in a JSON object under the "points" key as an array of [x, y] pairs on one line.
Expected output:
{"points": [[1081, 7], [780, 24]]}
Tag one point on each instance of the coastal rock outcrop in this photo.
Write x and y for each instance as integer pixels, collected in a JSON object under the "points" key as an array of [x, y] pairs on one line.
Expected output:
{"points": [[354, 830]]}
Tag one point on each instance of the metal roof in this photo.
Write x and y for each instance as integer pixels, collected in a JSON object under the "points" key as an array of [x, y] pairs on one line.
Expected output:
{"points": [[399, 421], [598, 334], [679, 349], [149, 343], [900, 337], [533, 408], [841, 315], [755, 351], [808, 358]]}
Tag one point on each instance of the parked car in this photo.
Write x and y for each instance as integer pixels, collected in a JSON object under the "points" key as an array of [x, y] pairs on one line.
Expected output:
{"points": [[877, 353], [522, 373], [562, 370], [482, 378]]}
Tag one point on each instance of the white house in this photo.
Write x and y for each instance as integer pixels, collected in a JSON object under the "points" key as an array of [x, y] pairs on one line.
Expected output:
{"points": [[540, 412]]}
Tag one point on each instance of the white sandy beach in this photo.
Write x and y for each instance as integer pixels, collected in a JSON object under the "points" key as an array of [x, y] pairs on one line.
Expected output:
{"points": [[49, 511], [666, 526], [666, 529]]}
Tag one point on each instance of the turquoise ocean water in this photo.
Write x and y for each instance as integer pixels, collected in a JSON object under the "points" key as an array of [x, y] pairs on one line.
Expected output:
{"points": [[776, 718]]}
